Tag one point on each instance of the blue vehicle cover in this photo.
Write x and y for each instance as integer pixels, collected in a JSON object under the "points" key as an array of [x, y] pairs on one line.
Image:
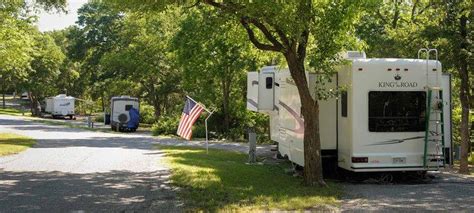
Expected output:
{"points": [[134, 118]]}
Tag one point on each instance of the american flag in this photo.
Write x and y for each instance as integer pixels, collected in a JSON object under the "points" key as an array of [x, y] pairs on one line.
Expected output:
{"points": [[191, 113]]}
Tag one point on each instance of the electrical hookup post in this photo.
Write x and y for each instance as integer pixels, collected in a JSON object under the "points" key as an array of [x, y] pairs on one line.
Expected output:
{"points": [[252, 146]]}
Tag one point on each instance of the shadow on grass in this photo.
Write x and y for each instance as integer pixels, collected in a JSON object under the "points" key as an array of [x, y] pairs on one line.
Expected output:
{"points": [[223, 181]]}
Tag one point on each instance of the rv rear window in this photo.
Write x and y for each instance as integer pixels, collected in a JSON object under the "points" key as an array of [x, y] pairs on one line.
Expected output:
{"points": [[269, 82], [128, 107], [397, 111]]}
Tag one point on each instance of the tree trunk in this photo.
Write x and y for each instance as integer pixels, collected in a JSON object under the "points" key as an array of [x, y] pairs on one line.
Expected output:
{"points": [[313, 173], [103, 102], [3, 93], [225, 103], [464, 96], [157, 106], [3, 97], [35, 105]]}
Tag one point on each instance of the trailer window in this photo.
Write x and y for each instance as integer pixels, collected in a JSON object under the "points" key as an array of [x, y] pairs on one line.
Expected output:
{"points": [[397, 111], [128, 107]]}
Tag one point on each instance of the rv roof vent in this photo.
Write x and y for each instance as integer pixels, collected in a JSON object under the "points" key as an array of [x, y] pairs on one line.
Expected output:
{"points": [[354, 55], [268, 68], [125, 96]]}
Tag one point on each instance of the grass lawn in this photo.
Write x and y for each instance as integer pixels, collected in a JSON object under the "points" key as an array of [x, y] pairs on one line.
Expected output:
{"points": [[221, 181], [13, 143], [12, 111]]}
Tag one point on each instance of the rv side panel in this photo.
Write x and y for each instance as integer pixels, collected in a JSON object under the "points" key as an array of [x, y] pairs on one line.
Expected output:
{"points": [[327, 114], [345, 114], [447, 120], [252, 91], [291, 122]]}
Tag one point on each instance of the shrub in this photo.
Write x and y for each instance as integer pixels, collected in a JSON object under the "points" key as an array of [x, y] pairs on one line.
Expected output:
{"points": [[147, 114], [99, 118], [167, 125], [199, 131]]}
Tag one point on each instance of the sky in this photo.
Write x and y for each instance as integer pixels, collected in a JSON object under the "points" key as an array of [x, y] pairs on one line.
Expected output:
{"points": [[58, 21]]}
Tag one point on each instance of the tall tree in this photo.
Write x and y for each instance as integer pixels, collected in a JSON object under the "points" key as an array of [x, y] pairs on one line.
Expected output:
{"points": [[43, 71], [215, 58], [15, 46], [458, 27], [97, 34], [144, 56]]}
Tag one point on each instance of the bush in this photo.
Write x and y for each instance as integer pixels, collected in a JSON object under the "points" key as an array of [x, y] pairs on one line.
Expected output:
{"points": [[147, 114], [167, 125], [99, 118], [199, 131]]}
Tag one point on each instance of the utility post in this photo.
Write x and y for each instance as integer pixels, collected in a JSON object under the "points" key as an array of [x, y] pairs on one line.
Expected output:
{"points": [[252, 145]]}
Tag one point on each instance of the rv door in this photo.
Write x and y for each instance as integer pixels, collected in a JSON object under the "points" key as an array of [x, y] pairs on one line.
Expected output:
{"points": [[266, 91]]}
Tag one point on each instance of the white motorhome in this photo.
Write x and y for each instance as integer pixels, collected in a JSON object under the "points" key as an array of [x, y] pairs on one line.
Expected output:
{"points": [[60, 106], [386, 119], [120, 117]]}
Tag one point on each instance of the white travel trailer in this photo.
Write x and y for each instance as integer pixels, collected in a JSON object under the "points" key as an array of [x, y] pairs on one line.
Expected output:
{"points": [[124, 113], [388, 119], [60, 106]]}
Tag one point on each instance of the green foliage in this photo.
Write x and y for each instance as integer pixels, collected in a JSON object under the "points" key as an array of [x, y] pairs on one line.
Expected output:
{"points": [[147, 114], [166, 125], [215, 56], [44, 67], [222, 181], [99, 118], [145, 58]]}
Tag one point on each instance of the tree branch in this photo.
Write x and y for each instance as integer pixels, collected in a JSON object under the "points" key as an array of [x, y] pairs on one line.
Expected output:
{"points": [[245, 21], [301, 50], [413, 10], [381, 17], [255, 41], [268, 35]]}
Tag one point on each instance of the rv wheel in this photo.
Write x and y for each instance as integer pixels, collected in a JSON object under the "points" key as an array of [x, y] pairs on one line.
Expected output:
{"points": [[280, 156]]}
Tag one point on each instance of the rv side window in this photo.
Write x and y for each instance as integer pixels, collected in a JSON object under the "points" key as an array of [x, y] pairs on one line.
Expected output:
{"points": [[344, 104], [397, 111], [269, 82], [128, 107]]}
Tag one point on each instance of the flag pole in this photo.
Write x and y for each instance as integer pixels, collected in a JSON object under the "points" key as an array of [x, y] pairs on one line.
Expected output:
{"points": [[199, 104], [207, 137], [205, 122]]}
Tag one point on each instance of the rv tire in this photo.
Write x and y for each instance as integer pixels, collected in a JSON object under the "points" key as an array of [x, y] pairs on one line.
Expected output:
{"points": [[280, 156]]}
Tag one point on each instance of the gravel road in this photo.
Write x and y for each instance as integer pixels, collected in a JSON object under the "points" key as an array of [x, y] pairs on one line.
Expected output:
{"points": [[447, 192], [78, 170]]}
